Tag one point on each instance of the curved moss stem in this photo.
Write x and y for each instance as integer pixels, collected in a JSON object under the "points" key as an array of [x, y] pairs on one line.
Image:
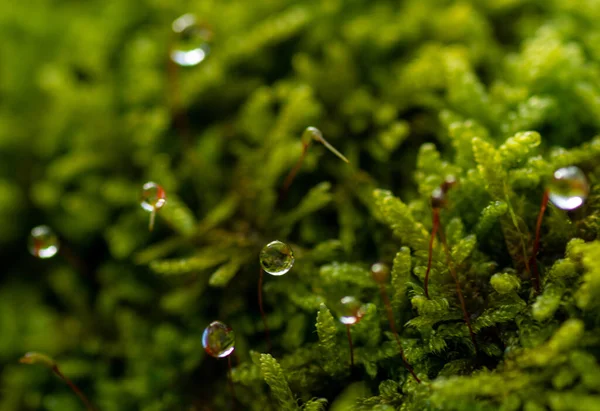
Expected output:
{"points": [[262, 311], [461, 297], [76, 390], [292, 174], [536, 244], [436, 224], [390, 315], [349, 334]]}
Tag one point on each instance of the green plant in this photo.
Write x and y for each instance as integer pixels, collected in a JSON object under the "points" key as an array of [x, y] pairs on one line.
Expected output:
{"points": [[498, 93]]}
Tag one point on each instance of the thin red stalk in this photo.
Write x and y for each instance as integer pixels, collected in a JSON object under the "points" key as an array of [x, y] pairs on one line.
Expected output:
{"points": [[179, 117], [76, 390], [292, 174], [436, 224], [390, 315], [349, 334], [152, 218], [230, 378], [262, 311], [73, 259], [463, 305], [536, 244]]}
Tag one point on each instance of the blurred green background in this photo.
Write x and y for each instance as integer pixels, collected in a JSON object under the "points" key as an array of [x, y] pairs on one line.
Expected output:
{"points": [[91, 108]]}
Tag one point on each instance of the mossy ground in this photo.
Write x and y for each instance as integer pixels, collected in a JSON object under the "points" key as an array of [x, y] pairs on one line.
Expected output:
{"points": [[498, 93]]}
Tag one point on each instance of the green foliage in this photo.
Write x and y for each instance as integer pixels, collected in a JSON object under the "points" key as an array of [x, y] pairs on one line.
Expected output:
{"points": [[497, 93], [274, 377]]}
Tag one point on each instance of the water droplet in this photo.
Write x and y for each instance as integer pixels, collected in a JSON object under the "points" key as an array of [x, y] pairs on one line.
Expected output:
{"points": [[568, 188], [351, 310], [380, 272], [439, 196], [153, 197], [277, 258], [43, 243], [218, 340], [191, 44]]}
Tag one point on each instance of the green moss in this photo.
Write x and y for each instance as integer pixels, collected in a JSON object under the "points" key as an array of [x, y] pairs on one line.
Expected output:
{"points": [[497, 93]]}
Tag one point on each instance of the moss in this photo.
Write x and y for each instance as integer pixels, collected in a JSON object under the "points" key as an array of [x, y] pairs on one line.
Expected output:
{"points": [[497, 93]]}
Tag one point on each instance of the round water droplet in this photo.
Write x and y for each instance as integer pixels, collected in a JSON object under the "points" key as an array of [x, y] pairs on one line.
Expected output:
{"points": [[277, 258], [380, 272], [218, 340], [568, 188], [43, 243], [351, 310], [438, 198], [449, 182], [192, 41], [153, 197]]}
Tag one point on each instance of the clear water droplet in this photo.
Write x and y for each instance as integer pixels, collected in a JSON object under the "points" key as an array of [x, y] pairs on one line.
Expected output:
{"points": [[380, 272], [43, 243], [351, 310], [277, 258], [192, 40], [218, 340], [153, 197], [439, 196], [568, 188]]}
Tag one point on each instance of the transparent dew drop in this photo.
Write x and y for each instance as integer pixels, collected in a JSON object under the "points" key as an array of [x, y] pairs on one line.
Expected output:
{"points": [[438, 198], [43, 243], [380, 272], [191, 45], [218, 340], [351, 310], [153, 197], [277, 258], [568, 188]]}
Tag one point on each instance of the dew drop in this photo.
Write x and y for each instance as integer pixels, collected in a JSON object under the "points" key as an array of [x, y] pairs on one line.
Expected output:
{"points": [[43, 243], [218, 340], [439, 196], [568, 188], [351, 310], [380, 272], [192, 40], [277, 258], [153, 197]]}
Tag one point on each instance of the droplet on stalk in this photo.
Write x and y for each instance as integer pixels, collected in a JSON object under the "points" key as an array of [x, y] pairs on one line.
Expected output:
{"points": [[351, 312], [43, 242], [276, 258], [218, 341], [439, 200], [153, 198], [191, 42], [567, 190], [381, 273], [308, 136]]}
